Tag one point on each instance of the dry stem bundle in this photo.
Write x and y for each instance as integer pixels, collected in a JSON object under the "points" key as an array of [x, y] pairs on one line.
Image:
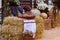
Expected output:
{"points": [[12, 28]]}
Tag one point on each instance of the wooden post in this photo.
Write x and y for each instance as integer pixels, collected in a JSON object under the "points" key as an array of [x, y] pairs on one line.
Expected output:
{"points": [[2, 10], [31, 3], [35, 4]]}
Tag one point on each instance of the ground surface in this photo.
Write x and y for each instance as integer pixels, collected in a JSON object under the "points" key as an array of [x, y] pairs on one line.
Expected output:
{"points": [[53, 34]]}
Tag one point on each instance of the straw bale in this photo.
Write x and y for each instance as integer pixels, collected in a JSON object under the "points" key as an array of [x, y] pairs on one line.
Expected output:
{"points": [[28, 35], [12, 28], [58, 19], [40, 26], [12, 21]]}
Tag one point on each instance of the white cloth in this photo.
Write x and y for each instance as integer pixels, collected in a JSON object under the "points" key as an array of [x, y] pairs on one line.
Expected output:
{"points": [[30, 25]]}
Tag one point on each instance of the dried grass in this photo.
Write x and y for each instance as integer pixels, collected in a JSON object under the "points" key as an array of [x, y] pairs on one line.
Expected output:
{"points": [[12, 28], [40, 26], [58, 19]]}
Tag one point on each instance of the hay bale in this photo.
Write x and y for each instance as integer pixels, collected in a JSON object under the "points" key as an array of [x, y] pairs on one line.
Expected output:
{"points": [[28, 35], [40, 27], [12, 21], [12, 28], [58, 19]]}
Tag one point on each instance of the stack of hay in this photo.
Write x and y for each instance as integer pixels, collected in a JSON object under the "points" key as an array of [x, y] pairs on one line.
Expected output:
{"points": [[28, 35], [58, 19], [39, 27], [12, 28]]}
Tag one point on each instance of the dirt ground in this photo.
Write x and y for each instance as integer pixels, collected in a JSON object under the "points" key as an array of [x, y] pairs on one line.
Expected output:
{"points": [[53, 34]]}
